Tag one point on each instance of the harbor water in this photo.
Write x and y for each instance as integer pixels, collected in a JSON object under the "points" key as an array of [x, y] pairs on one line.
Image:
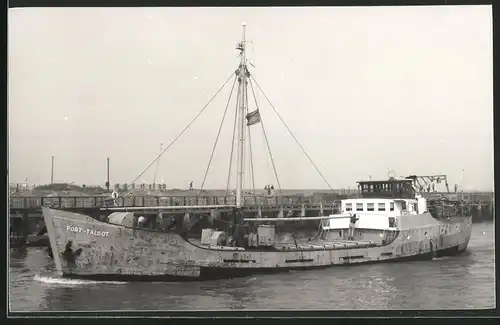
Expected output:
{"points": [[460, 282]]}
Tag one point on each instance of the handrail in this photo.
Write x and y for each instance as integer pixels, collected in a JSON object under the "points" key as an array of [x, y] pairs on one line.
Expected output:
{"points": [[34, 202]]}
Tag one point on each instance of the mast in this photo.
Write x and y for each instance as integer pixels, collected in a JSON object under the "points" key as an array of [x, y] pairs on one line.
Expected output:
{"points": [[242, 83]]}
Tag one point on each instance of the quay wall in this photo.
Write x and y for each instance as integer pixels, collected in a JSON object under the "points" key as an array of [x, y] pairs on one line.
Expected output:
{"points": [[26, 218]]}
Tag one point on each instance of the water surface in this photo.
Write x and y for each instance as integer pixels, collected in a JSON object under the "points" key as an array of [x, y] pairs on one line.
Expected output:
{"points": [[460, 282]]}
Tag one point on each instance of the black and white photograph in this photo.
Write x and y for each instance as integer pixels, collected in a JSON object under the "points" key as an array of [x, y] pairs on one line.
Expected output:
{"points": [[250, 158]]}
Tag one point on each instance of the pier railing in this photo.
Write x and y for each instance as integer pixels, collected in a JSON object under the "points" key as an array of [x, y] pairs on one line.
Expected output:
{"points": [[32, 202], [146, 201]]}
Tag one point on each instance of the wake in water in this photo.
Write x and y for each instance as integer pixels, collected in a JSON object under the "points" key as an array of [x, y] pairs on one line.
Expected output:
{"points": [[441, 258], [70, 282]]}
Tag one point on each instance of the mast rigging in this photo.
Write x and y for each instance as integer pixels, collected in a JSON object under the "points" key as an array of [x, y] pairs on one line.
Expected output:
{"points": [[156, 168], [242, 118]]}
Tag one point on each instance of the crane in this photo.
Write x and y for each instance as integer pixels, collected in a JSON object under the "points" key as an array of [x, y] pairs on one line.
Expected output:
{"points": [[425, 182]]}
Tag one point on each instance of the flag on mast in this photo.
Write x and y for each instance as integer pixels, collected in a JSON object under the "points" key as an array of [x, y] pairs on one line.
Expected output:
{"points": [[253, 117]]}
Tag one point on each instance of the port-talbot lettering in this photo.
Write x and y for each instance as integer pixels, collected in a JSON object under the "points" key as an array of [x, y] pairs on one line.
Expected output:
{"points": [[92, 232]]}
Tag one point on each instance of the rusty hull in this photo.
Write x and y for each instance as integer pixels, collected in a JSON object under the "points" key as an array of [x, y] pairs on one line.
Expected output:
{"points": [[87, 248]]}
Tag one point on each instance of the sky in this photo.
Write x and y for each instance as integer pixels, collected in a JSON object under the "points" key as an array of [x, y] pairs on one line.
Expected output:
{"points": [[365, 90]]}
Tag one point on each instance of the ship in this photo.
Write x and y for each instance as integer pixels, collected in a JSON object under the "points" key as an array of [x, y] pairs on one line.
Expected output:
{"points": [[390, 220]]}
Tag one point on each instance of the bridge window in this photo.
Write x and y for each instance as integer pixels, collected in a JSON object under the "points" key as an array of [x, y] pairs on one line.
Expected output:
{"points": [[348, 206], [359, 206], [381, 206], [391, 206], [370, 207]]}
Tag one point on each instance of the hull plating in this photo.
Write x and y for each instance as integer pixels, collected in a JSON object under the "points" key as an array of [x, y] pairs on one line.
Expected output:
{"points": [[87, 248]]}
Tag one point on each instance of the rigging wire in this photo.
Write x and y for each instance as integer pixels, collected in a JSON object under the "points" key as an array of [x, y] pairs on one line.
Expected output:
{"points": [[252, 175], [267, 142], [251, 159], [242, 159], [249, 133], [232, 142], [217, 138], [253, 55], [267, 167], [184, 130], [291, 133], [157, 164], [272, 159]]}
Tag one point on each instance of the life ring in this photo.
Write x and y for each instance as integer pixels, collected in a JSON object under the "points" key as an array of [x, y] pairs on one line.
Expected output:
{"points": [[114, 195]]}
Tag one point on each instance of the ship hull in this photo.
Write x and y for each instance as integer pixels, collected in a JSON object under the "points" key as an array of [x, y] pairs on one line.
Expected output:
{"points": [[87, 248], [208, 273]]}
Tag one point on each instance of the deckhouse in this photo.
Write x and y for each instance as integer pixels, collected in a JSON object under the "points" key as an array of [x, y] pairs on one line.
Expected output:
{"points": [[390, 197], [380, 204]]}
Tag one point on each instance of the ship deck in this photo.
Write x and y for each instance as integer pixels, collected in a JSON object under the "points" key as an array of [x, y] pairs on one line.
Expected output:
{"points": [[286, 247]]}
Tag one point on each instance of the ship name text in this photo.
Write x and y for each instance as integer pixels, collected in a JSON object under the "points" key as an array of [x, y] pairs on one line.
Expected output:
{"points": [[89, 231]]}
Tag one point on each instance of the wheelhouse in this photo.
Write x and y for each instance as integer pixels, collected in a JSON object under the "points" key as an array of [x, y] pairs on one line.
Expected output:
{"points": [[392, 188]]}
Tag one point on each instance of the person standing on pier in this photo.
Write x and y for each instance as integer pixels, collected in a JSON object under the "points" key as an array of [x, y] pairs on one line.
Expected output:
{"points": [[191, 185], [269, 189]]}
